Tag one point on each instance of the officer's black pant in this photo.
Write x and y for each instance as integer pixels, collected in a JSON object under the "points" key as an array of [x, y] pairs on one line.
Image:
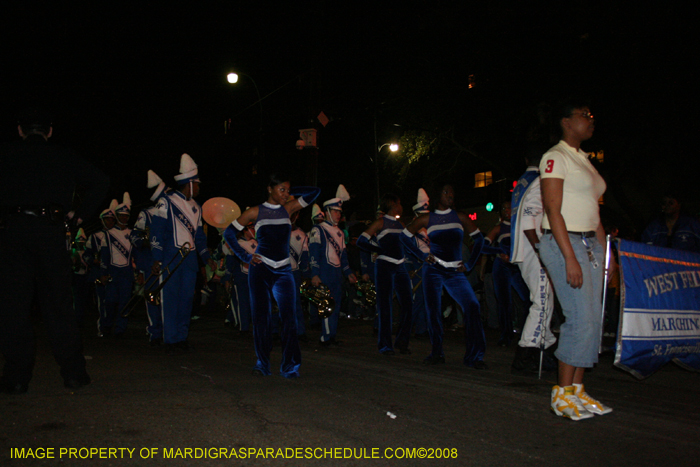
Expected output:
{"points": [[35, 268]]}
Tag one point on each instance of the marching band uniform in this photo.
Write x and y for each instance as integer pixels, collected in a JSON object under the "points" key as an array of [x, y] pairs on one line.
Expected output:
{"points": [[299, 255], [272, 277], [143, 243], [445, 232], [241, 290], [527, 215], [178, 220], [391, 274], [116, 262], [81, 287], [329, 261], [505, 276], [317, 216], [93, 254], [415, 268]]}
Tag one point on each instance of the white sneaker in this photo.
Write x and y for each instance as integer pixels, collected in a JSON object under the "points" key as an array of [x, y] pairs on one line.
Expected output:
{"points": [[590, 404], [566, 404]]}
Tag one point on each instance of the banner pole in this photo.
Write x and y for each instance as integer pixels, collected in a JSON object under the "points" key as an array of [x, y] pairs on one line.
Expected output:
{"points": [[608, 241]]}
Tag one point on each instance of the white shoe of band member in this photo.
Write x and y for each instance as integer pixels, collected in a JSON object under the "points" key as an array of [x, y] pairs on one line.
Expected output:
{"points": [[590, 404], [566, 404]]}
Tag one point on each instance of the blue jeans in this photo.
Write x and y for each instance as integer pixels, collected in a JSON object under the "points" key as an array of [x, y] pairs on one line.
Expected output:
{"points": [[579, 337]]}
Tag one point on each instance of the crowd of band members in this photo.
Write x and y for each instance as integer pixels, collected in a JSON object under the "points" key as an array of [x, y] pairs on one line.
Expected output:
{"points": [[118, 260], [400, 262]]}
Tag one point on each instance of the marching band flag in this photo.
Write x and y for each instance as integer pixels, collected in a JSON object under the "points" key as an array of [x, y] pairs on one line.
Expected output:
{"points": [[660, 309]]}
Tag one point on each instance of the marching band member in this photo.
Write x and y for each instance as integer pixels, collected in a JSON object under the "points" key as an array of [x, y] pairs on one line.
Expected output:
{"points": [[415, 268], [239, 270], [506, 275], [390, 274], [445, 268], [317, 217], [81, 286], [93, 249], [526, 222], [299, 255], [141, 240], [177, 222], [270, 273], [117, 271], [329, 260]]}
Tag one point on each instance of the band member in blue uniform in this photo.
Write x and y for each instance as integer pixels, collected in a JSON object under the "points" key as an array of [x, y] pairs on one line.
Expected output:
{"points": [[239, 270], [143, 243], [116, 264], [329, 260], [270, 272], [391, 274], [177, 221], [299, 255], [445, 268], [93, 255], [317, 216], [415, 268], [81, 286], [506, 275]]}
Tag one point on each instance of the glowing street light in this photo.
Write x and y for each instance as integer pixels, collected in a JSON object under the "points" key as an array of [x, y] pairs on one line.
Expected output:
{"points": [[232, 78], [393, 147]]}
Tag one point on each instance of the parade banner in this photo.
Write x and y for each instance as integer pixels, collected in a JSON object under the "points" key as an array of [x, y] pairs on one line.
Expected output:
{"points": [[660, 309]]}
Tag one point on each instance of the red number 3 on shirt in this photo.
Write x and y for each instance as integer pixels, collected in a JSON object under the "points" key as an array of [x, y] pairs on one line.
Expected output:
{"points": [[550, 166]]}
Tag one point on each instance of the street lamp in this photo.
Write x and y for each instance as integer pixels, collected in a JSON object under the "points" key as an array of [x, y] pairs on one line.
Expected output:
{"points": [[393, 147], [232, 78]]}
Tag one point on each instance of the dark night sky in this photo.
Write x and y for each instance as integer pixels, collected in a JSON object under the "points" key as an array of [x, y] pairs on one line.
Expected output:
{"points": [[132, 88]]}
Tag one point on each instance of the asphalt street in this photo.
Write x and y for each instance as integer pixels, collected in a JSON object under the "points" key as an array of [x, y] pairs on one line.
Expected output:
{"points": [[351, 406]]}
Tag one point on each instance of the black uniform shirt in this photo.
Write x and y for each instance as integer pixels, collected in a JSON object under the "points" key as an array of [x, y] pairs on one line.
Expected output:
{"points": [[35, 173]]}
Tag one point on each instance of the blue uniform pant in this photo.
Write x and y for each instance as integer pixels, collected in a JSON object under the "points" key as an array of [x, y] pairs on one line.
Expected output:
{"points": [[176, 302], [457, 285], [505, 277], [419, 318], [266, 282], [392, 277]]}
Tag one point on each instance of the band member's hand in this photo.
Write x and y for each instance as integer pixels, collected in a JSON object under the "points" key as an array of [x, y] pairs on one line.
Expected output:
{"points": [[155, 269], [139, 279], [352, 278], [228, 286], [461, 267], [104, 279], [365, 277], [315, 281], [212, 264], [574, 275], [256, 259], [430, 259]]}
